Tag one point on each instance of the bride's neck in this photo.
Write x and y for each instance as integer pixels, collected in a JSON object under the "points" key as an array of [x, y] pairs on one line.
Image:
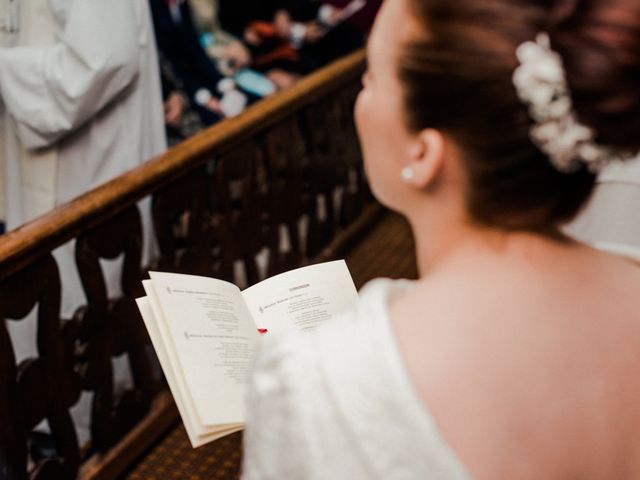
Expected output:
{"points": [[449, 241]]}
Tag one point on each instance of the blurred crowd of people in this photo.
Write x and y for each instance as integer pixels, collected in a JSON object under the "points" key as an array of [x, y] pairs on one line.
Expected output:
{"points": [[219, 56]]}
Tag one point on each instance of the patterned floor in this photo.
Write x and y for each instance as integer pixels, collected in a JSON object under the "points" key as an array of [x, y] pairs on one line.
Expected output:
{"points": [[387, 250]]}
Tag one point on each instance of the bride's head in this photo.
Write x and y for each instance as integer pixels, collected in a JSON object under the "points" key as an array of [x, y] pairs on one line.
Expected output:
{"points": [[444, 131]]}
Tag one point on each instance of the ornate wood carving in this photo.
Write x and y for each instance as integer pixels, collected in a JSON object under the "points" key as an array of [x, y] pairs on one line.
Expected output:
{"points": [[237, 203], [109, 328], [183, 225], [355, 194], [322, 129], [288, 195], [38, 388]]}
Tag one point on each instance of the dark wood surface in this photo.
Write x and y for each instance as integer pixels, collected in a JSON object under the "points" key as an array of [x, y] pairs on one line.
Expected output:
{"points": [[40, 387]]}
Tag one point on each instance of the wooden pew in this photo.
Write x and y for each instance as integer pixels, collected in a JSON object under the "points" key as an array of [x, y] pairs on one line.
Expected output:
{"points": [[285, 177]]}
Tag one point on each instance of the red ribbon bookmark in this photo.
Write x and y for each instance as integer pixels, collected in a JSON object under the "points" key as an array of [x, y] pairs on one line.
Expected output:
{"points": [[262, 331]]}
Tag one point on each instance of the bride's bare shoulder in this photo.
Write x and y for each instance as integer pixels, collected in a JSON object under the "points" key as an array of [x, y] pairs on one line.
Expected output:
{"points": [[519, 288], [488, 348]]}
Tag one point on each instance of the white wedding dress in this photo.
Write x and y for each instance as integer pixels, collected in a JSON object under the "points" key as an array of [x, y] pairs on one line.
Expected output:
{"points": [[337, 403]]}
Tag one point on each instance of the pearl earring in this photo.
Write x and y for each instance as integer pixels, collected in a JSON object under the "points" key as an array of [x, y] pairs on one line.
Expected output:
{"points": [[407, 174]]}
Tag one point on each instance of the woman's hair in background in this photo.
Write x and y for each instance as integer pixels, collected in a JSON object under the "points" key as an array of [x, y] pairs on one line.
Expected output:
{"points": [[457, 78]]}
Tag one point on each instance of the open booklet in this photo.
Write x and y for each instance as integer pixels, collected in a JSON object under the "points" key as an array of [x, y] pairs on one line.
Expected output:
{"points": [[205, 332]]}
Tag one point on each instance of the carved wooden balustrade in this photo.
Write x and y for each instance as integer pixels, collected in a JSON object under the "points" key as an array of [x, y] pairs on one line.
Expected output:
{"points": [[266, 191]]}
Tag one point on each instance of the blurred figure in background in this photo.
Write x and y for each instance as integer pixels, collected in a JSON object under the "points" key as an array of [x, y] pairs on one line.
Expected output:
{"points": [[180, 119], [291, 38], [610, 221], [232, 58], [235, 15], [318, 31], [178, 42], [229, 53], [362, 19]]}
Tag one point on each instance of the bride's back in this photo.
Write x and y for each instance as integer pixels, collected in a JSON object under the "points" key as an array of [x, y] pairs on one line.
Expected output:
{"points": [[529, 359]]}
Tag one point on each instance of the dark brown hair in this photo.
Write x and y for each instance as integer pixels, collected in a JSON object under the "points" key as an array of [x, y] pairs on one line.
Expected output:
{"points": [[457, 78]]}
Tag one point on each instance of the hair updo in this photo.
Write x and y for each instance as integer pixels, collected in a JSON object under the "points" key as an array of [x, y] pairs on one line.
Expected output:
{"points": [[457, 78]]}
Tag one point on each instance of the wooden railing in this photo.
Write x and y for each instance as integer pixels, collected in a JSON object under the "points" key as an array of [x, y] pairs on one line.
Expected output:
{"points": [[283, 182]]}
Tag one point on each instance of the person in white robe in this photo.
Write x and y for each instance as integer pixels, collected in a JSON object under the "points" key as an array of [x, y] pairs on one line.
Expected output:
{"points": [[80, 86], [80, 103]]}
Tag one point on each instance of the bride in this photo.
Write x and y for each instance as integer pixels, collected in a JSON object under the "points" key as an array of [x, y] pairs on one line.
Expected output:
{"points": [[516, 355]]}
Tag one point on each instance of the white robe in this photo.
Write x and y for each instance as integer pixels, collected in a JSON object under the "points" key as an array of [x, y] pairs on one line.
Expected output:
{"points": [[81, 91], [80, 103]]}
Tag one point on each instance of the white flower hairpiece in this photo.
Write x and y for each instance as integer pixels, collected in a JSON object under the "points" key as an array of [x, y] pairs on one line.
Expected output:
{"points": [[541, 84]]}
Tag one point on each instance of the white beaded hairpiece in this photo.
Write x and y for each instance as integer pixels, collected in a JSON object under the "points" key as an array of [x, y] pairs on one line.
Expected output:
{"points": [[541, 84]]}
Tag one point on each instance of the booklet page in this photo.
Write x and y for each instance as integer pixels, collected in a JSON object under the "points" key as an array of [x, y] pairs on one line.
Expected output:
{"points": [[214, 340], [301, 299], [197, 434]]}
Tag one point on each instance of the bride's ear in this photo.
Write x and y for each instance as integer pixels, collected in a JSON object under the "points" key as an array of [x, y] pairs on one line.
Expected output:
{"points": [[426, 159]]}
